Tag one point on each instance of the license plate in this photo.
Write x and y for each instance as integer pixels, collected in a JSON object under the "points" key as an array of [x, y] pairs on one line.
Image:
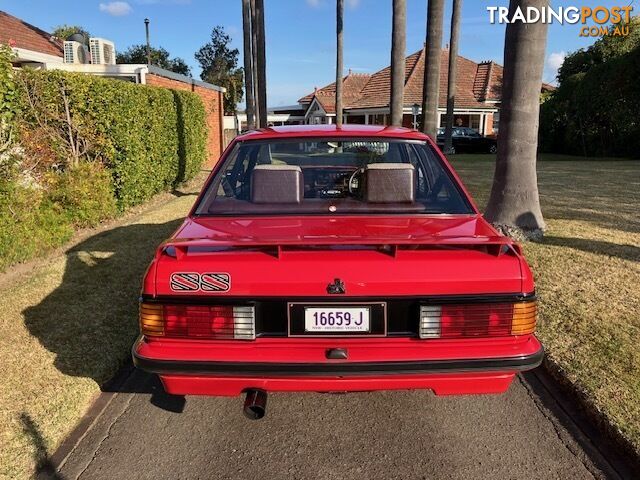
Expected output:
{"points": [[337, 319]]}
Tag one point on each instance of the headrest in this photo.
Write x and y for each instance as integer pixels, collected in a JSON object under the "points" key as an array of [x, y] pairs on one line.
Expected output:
{"points": [[277, 184], [389, 183]]}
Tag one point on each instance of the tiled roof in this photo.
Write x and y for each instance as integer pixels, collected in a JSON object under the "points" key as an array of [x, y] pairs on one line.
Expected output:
{"points": [[476, 83], [352, 86], [20, 34]]}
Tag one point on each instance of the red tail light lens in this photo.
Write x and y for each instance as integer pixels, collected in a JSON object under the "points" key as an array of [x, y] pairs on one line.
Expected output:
{"points": [[198, 321], [477, 320], [489, 320]]}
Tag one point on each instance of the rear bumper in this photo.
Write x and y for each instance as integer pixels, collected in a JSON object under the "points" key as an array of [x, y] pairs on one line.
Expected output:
{"points": [[272, 369], [488, 373]]}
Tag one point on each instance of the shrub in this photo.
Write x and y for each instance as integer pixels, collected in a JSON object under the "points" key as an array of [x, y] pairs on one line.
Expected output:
{"points": [[84, 194], [192, 134], [596, 113], [89, 147], [29, 224], [150, 138]]}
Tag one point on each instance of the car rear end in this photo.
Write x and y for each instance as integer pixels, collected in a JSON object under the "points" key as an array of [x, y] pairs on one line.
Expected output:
{"points": [[337, 288]]}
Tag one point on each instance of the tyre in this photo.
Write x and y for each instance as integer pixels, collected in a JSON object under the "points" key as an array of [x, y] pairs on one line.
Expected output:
{"points": [[493, 148]]}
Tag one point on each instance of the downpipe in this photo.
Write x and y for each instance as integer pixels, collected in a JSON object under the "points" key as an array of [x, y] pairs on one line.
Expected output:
{"points": [[255, 404]]}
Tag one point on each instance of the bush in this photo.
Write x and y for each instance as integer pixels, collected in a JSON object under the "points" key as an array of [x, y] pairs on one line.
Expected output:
{"points": [[84, 194], [89, 148], [595, 113], [150, 138], [29, 224]]}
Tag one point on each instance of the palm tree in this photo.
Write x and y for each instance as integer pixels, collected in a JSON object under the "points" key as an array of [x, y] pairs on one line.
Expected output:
{"points": [[452, 73], [435, 12], [514, 204], [339, 66], [398, 47], [248, 65], [261, 63], [254, 61]]}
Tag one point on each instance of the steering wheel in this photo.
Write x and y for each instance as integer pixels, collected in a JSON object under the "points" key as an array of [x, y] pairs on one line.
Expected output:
{"points": [[352, 177]]}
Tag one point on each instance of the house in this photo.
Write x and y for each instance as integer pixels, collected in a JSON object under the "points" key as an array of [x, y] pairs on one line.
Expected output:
{"points": [[366, 97], [32, 46], [35, 48]]}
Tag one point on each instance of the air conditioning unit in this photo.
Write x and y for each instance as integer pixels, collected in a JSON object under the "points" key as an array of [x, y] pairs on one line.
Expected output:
{"points": [[75, 52], [103, 52]]}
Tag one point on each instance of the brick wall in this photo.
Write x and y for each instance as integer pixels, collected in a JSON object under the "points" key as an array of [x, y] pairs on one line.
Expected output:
{"points": [[212, 100]]}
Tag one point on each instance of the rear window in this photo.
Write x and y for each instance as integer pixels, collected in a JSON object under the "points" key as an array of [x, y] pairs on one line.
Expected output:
{"points": [[336, 176]]}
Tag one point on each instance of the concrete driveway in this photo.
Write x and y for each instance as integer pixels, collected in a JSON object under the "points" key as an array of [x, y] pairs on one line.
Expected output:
{"points": [[142, 433]]}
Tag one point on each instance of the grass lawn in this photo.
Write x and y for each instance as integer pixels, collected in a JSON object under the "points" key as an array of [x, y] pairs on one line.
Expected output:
{"points": [[587, 272], [68, 324]]}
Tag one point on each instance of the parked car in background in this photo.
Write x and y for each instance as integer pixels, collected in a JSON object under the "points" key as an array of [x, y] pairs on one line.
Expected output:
{"points": [[333, 260], [468, 140]]}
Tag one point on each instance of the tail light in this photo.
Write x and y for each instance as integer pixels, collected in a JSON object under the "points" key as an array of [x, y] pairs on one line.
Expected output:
{"points": [[198, 321], [478, 320]]}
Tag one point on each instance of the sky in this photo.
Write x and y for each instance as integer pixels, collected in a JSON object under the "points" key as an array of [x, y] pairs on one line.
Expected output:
{"points": [[300, 34]]}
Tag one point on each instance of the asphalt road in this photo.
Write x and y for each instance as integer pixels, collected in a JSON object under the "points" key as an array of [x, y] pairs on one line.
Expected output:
{"points": [[523, 434]]}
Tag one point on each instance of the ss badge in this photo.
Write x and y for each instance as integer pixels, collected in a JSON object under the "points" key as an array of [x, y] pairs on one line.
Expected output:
{"points": [[216, 282]]}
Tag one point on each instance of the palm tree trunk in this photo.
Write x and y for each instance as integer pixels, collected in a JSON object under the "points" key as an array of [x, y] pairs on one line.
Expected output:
{"points": [[254, 61], [248, 65], [398, 47], [453, 72], [514, 204], [261, 64], [430, 93], [339, 65]]}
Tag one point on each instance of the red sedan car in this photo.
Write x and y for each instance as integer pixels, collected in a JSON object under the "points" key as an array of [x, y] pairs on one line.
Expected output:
{"points": [[333, 260]]}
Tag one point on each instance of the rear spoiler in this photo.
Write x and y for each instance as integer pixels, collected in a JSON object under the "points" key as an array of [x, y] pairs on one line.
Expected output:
{"points": [[493, 245]]}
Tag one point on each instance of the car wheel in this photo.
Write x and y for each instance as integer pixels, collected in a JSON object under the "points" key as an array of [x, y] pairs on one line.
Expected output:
{"points": [[493, 148], [452, 150]]}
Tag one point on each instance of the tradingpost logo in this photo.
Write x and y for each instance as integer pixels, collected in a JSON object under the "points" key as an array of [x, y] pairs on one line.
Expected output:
{"points": [[596, 21]]}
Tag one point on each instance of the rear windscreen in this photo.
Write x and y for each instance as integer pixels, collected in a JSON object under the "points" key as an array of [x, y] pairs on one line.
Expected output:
{"points": [[314, 176]]}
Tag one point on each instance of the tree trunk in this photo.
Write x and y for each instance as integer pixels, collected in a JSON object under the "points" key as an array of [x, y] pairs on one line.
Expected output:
{"points": [[430, 93], [514, 204], [254, 60], [398, 47], [339, 66], [261, 63], [248, 65], [453, 72]]}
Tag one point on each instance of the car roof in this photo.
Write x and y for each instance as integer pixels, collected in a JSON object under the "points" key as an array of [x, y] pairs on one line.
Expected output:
{"points": [[347, 131]]}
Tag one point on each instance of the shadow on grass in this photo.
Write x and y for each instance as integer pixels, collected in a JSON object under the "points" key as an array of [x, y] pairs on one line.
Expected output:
{"points": [[44, 468], [90, 320], [623, 251]]}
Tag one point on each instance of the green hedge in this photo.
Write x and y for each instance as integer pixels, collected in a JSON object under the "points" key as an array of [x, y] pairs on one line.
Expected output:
{"points": [[597, 112], [151, 138], [134, 141]]}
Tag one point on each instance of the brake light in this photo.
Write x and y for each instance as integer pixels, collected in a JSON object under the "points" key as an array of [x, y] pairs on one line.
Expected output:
{"points": [[478, 320], [198, 321]]}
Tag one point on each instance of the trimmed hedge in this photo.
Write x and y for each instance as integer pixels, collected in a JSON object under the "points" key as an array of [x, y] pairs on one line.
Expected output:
{"points": [[86, 148], [151, 138]]}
